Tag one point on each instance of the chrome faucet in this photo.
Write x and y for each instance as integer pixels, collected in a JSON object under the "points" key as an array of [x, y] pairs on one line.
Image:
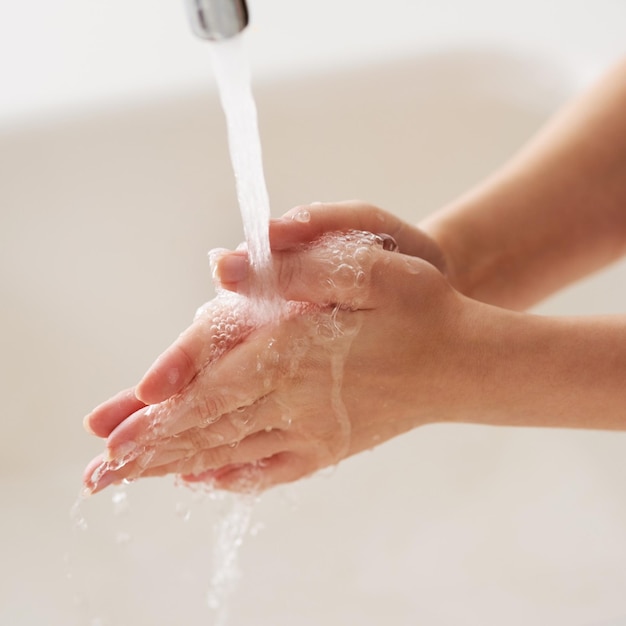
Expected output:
{"points": [[217, 19]]}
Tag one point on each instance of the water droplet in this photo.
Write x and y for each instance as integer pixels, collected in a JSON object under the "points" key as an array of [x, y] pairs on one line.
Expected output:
{"points": [[302, 216], [388, 242], [76, 515], [120, 501]]}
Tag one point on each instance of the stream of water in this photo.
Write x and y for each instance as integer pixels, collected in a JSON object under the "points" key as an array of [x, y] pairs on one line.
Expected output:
{"points": [[232, 73]]}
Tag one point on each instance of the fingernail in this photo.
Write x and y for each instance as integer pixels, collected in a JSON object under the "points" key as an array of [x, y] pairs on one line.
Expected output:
{"points": [[232, 268]]}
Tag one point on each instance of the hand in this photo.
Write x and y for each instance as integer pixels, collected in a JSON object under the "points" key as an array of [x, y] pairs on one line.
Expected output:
{"points": [[359, 363], [303, 224]]}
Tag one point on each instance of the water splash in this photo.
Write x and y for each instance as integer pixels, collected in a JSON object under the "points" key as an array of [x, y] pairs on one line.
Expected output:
{"points": [[76, 513], [231, 531]]}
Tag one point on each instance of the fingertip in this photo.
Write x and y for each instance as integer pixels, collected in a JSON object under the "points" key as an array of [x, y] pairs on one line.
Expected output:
{"points": [[166, 376], [148, 389], [286, 233], [108, 415], [87, 425], [232, 268], [91, 467], [214, 256], [96, 476], [297, 226], [278, 469], [155, 387], [106, 479]]}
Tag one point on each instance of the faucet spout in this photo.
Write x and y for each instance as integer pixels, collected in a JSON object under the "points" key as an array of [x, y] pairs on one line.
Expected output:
{"points": [[217, 19]]}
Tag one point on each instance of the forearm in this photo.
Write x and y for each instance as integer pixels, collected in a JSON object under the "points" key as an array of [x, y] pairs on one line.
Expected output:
{"points": [[556, 212], [529, 370]]}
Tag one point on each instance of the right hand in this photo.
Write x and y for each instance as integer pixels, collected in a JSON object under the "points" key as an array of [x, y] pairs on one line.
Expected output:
{"points": [[305, 223]]}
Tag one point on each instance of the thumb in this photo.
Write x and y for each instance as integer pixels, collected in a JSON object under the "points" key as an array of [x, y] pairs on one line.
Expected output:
{"points": [[335, 269]]}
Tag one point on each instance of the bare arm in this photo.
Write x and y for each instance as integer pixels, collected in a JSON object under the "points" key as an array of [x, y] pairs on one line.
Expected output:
{"points": [[553, 214], [534, 370]]}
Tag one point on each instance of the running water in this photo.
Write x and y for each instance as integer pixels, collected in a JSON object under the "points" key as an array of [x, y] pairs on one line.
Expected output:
{"points": [[232, 74], [231, 530]]}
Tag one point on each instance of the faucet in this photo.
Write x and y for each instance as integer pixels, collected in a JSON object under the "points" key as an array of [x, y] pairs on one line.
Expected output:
{"points": [[217, 19]]}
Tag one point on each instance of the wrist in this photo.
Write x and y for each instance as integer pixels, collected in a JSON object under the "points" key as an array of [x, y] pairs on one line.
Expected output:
{"points": [[521, 369], [461, 270]]}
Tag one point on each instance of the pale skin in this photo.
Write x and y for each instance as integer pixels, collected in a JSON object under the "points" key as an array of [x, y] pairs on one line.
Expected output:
{"points": [[439, 333]]}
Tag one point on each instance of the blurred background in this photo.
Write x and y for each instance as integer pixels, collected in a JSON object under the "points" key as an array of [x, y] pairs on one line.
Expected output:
{"points": [[115, 182], [66, 56]]}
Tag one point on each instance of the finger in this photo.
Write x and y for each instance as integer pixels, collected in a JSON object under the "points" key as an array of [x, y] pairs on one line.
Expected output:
{"points": [[105, 417], [250, 450], [89, 475], [218, 326], [100, 473], [174, 451], [333, 270], [303, 224], [229, 430], [217, 392], [281, 468]]}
